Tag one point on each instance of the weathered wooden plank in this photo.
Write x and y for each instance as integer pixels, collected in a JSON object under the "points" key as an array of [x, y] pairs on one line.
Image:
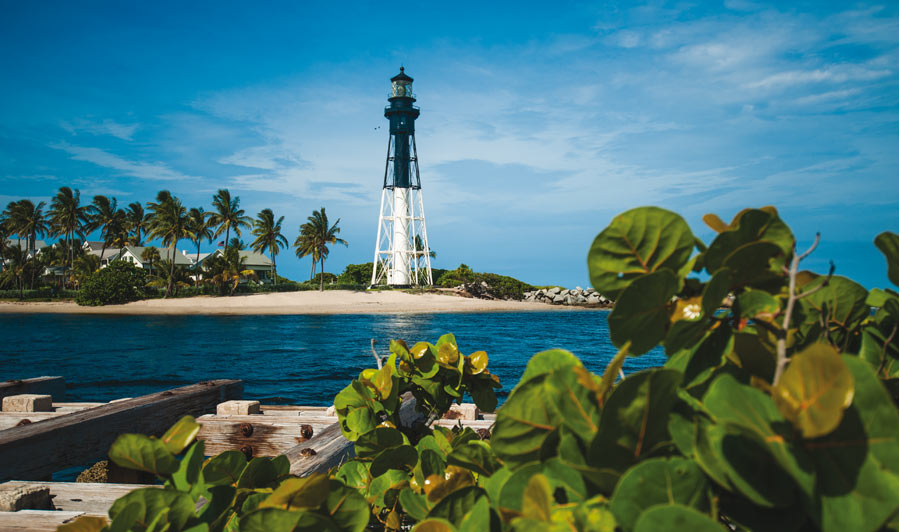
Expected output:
{"points": [[37, 450], [9, 420], [35, 520], [55, 386], [86, 497], [291, 410], [258, 435]]}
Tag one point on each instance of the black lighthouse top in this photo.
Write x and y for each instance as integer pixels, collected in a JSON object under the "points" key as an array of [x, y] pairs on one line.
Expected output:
{"points": [[402, 115]]}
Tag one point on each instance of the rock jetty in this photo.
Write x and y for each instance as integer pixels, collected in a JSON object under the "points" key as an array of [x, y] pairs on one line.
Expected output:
{"points": [[561, 296]]}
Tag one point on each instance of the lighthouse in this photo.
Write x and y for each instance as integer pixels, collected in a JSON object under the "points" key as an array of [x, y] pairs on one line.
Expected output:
{"points": [[402, 256]]}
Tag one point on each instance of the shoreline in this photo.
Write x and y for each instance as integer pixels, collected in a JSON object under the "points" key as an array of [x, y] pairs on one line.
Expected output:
{"points": [[295, 303]]}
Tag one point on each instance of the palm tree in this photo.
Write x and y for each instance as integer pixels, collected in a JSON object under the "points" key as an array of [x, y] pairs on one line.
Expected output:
{"points": [[68, 217], [322, 235], [83, 267], [169, 221], [268, 236], [105, 215], [14, 271], [27, 220], [149, 255], [201, 227], [228, 215], [237, 244], [306, 246], [226, 269], [136, 221]]}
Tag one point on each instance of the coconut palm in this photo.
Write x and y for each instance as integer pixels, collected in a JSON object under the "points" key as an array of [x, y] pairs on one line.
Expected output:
{"points": [[169, 222], [68, 217], [237, 244], [177, 277], [136, 221], [27, 220], [149, 255], [228, 215], [15, 268], [226, 269], [306, 247], [104, 214], [83, 267], [322, 236], [201, 227], [269, 237]]}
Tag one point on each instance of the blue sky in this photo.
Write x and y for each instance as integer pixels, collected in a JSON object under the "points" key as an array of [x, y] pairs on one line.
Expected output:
{"points": [[540, 121]]}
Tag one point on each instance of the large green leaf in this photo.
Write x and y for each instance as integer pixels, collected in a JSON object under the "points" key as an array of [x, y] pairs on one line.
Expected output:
{"points": [[887, 243], [637, 242], [299, 493], [177, 506], [373, 442], [856, 465], [402, 457], [136, 451], [457, 504], [224, 468], [347, 507], [188, 473], [715, 291], [523, 422], [841, 306], [85, 523], [414, 504], [753, 225], [479, 517], [815, 390], [754, 414], [641, 315], [573, 394], [278, 520], [658, 481], [675, 517], [699, 360], [547, 361], [181, 434], [633, 423], [475, 456], [434, 525], [259, 473], [756, 304]]}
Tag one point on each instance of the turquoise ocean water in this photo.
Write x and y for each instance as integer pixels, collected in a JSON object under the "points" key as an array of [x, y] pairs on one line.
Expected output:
{"points": [[296, 359]]}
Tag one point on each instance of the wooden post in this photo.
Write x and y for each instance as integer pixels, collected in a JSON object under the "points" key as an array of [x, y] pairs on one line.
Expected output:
{"points": [[37, 450], [329, 447], [55, 386]]}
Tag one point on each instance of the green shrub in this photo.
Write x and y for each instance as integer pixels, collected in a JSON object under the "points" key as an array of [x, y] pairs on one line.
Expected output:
{"points": [[120, 282], [775, 410]]}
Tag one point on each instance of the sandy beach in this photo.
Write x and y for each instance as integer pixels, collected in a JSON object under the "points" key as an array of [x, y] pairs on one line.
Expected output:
{"points": [[329, 302]]}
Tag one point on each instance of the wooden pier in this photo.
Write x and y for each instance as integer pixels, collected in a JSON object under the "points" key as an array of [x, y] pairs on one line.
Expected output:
{"points": [[41, 434]]}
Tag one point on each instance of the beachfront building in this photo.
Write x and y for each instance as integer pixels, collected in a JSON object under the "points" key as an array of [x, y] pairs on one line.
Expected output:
{"points": [[105, 253], [402, 257], [133, 255], [260, 264], [31, 247]]}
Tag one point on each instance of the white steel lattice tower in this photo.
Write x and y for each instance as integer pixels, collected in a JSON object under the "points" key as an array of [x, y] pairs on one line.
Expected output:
{"points": [[402, 255]]}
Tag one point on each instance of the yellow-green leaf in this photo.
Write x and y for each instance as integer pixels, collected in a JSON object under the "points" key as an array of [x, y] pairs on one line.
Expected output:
{"points": [[383, 381], [296, 493], [477, 362], [537, 499], [448, 354], [814, 390], [181, 434], [85, 523]]}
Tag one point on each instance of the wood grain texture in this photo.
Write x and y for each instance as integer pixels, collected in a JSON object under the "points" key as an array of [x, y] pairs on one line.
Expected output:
{"points": [[267, 435], [37, 450], [86, 497], [35, 520]]}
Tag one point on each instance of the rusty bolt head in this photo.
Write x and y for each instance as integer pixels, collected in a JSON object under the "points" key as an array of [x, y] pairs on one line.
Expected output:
{"points": [[246, 429], [248, 452], [23, 422], [306, 431], [308, 452], [484, 434]]}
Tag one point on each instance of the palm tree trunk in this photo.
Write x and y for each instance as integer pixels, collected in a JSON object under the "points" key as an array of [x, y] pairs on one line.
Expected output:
{"points": [[322, 276], [227, 230], [171, 270], [33, 257], [274, 267]]}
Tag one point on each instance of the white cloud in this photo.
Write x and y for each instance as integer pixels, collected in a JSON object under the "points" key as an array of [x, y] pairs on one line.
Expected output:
{"points": [[103, 127], [143, 170]]}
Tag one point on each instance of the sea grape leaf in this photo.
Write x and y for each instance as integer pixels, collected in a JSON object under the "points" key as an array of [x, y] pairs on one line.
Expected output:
{"points": [[641, 315], [441, 485], [475, 456], [354, 474], [221, 499], [454, 506], [259, 473], [755, 355], [856, 464], [224, 468], [756, 304], [414, 504], [658, 481], [841, 306], [675, 517], [562, 476], [181, 434], [401, 457], [887, 243], [126, 518], [278, 520], [699, 362], [85, 523], [754, 414], [572, 394], [512, 492], [814, 390], [347, 507], [537, 500], [177, 506], [188, 473], [478, 519], [136, 451], [546, 362], [753, 517], [299, 493], [377, 440], [434, 525], [753, 226], [611, 373], [476, 363], [633, 423], [715, 291], [637, 242], [523, 422]]}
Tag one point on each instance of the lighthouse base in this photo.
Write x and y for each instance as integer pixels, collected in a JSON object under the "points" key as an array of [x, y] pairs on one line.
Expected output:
{"points": [[402, 257]]}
